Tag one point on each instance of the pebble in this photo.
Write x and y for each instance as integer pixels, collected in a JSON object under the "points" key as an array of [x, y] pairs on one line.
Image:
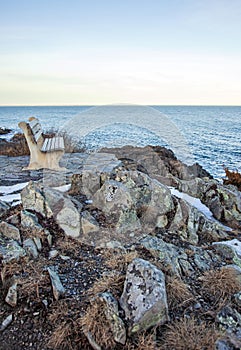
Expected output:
{"points": [[8, 320], [53, 253]]}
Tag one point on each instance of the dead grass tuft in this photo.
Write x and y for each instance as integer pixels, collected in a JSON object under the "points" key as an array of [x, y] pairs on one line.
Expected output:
{"points": [[145, 341], [121, 260], [11, 269], [59, 312], [95, 323], [68, 245], [61, 337], [188, 334], [178, 292], [220, 284], [113, 283], [33, 279]]}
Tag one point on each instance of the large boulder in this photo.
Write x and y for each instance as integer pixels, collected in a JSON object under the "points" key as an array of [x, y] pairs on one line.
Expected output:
{"points": [[115, 201], [144, 297], [153, 200]]}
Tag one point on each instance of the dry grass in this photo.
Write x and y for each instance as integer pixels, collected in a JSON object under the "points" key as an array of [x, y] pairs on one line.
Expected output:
{"points": [[94, 322], [68, 245], [33, 278], [143, 342], [178, 292], [59, 312], [113, 283], [121, 260], [30, 276], [61, 337], [188, 334], [220, 284], [11, 269]]}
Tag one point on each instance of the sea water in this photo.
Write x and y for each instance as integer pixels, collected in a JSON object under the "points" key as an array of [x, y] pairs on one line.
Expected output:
{"points": [[212, 133]]}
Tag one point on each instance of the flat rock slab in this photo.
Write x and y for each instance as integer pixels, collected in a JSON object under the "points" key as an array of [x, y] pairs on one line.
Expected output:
{"points": [[11, 168]]}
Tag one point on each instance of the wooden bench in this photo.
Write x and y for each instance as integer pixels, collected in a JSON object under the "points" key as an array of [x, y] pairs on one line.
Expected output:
{"points": [[44, 152]]}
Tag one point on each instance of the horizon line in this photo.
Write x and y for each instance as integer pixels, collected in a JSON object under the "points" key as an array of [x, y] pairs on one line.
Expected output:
{"points": [[122, 104]]}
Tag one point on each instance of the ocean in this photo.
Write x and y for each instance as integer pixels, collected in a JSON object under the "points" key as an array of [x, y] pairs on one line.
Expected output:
{"points": [[209, 135]]}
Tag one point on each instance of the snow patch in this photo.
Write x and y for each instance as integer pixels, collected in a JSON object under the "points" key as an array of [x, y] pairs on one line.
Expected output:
{"points": [[195, 202]]}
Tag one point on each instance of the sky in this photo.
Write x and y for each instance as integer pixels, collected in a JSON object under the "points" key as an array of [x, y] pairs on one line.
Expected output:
{"points": [[95, 52]]}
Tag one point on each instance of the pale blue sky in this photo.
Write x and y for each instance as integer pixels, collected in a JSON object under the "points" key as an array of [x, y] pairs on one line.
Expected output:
{"points": [[97, 52]]}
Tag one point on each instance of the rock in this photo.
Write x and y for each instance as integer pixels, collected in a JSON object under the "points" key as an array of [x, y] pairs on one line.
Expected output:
{"points": [[91, 340], [111, 312], [88, 223], [17, 146], [186, 222], [114, 199], [223, 344], [52, 203], [6, 322], [158, 162], [4, 131], [230, 250], [152, 200], [68, 219], [33, 198], [53, 253], [10, 250], [96, 169], [237, 298], [3, 208], [11, 297], [9, 231], [30, 247], [230, 320], [144, 297], [30, 220], [49, 238], [38, 243], [58, 289], [223, 201], [170, 256], [13, 220], [189, 223]]}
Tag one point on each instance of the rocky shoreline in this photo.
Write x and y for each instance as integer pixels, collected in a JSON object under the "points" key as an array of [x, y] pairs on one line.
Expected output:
{"points": [[117, 261]]}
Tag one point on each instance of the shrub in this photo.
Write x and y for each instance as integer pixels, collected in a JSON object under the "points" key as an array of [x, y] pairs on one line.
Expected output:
{"points": [[233, 178]]}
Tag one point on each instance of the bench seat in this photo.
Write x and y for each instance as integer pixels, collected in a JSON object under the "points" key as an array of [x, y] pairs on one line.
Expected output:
{"points": [[52, 144]]}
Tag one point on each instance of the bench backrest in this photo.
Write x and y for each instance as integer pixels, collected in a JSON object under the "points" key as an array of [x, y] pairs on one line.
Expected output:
{"points": [[36, 128]]}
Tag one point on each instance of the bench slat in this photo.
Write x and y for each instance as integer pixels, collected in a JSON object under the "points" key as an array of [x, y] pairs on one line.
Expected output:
{"points": [[61, 142], [45, 145], [37, 135]]}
